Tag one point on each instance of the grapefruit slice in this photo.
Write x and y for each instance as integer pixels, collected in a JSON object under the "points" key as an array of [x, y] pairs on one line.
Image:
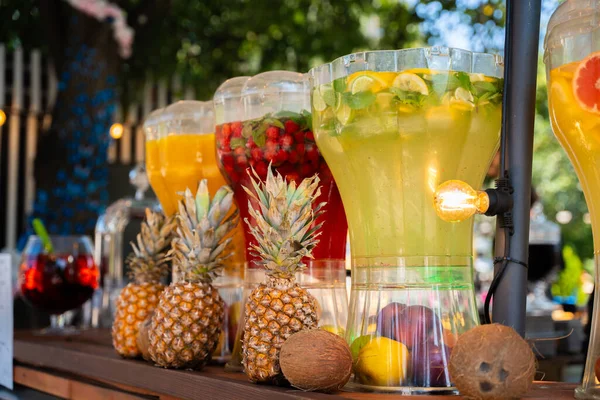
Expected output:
{"points": [[586, 83]]}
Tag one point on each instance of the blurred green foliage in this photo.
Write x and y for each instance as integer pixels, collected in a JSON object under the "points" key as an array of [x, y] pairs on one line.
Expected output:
{"points": [[569, 279], [206, 42]]}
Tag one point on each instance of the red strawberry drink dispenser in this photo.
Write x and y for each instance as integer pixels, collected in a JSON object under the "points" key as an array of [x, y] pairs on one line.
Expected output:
{"points": [[265, 120]]}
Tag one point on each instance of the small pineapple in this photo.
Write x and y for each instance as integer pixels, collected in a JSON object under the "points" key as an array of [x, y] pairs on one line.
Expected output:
{"points": [[187, 323], [280, 307], [148, 264]]}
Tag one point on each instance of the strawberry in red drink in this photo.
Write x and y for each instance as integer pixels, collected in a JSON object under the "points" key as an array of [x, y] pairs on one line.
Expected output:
{"points": [[286, 142]]}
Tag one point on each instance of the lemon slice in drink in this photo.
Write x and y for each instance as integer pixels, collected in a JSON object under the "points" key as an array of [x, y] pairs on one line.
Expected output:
{"points": [[462, 100], [477, 77], [344, 114], [411, 82], [317, 100], [367, 82]]}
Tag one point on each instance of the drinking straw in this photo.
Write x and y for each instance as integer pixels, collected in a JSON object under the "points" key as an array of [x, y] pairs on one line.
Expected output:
{"points": [[42, 233]]}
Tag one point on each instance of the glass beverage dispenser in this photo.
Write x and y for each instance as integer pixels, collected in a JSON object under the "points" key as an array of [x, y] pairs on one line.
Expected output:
{"points": [[265, 120], [572, 57], [393, 126], [185, 154]]}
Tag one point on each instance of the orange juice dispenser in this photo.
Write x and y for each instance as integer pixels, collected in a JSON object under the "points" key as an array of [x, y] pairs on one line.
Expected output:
{"points": [[572, 57], [155, 127], [187, 155]]}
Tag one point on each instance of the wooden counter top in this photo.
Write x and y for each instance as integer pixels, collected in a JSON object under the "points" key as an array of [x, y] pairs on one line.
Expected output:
{"points": [[86, 367]]}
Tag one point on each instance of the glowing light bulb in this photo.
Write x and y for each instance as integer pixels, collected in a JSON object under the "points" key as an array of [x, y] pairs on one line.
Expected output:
{"points": [[116, 131], [455, 201], [2, 117]]}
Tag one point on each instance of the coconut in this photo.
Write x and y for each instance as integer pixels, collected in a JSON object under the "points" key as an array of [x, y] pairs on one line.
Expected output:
{"points": [[492, 362], [142, 340], [316, 360]]}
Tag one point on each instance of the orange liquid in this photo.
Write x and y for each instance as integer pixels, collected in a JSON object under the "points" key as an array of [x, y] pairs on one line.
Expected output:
{"points": [[185, 160], [578, 131], [155, 177]]}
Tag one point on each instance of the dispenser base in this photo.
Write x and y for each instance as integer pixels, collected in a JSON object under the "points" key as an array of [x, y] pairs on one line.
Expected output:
{"points": [[402, 390], [589, 394], [405, 321]]}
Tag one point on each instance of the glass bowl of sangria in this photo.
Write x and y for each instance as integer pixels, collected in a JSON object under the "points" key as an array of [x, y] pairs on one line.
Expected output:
{"points": [[59, 277]]}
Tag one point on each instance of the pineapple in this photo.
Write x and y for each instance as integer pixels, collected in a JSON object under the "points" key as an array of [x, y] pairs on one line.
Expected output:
{"points": [[186, 325], [280, 307], [148, 264]]}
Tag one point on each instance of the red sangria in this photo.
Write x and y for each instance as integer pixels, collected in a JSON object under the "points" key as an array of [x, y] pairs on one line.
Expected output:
{"points": [[264, 124], [61, 280]]}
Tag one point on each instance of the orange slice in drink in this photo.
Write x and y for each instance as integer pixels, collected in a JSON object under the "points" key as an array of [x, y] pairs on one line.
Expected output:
{"points": [[586, 83]]}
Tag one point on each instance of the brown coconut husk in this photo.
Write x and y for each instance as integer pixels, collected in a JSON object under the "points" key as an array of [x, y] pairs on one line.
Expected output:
{"points": [[316, 360], [492, 362]]}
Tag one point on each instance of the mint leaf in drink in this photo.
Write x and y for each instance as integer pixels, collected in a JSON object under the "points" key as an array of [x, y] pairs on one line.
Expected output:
{"points": [[495, 98], [294, 116], [414, 99], [259, 135], [307, 119], [339, 85], [464, 81], [483, 86], [275, 122], [442, 83], [287, 114], [237, 142], [247, 130], [359, 100], [500, 84]]}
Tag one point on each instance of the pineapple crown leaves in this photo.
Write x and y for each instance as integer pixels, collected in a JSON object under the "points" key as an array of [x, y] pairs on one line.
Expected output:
{"points": [[148, 261], [283, 222], [198, 250]]}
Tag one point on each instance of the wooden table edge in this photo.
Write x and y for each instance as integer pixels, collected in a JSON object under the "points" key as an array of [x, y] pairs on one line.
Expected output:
{"points": [[94, 360]]}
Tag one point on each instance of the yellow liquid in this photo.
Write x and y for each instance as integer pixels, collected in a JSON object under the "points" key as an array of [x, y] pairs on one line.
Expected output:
{"points": [[388, 159], [185, 160], [578, 131], [155, 176]]}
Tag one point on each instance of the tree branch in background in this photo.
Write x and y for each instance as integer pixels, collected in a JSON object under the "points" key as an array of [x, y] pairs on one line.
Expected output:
{"points": [[152, 10], [52, 14]]}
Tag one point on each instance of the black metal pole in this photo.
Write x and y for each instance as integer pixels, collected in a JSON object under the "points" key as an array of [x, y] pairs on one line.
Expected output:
{"points": [[520, 73]]}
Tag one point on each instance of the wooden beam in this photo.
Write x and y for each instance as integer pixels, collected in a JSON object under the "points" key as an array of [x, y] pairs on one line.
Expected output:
{"points": [[66, 388]]}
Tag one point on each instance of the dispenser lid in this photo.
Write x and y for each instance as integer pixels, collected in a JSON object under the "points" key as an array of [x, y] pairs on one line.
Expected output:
{"points": [[190, 117], [436, 57], [153, 123], [572, 19], [275, 91], [228, 100], [570, 11]]}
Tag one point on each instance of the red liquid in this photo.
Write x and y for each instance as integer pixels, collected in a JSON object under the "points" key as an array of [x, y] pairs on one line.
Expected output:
{"points": [[59, 282], [294, 154]]}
